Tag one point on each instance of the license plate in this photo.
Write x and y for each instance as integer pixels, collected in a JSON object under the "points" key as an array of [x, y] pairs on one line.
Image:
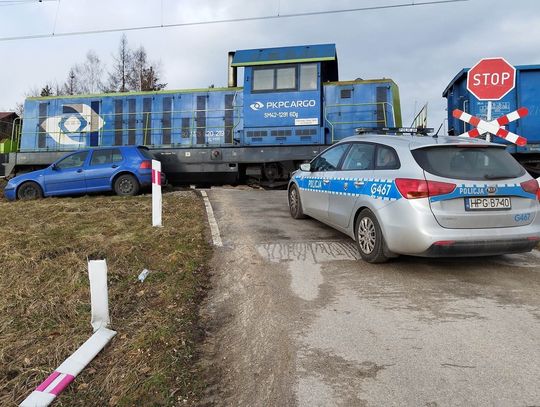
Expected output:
{"points": [[492, 203]]}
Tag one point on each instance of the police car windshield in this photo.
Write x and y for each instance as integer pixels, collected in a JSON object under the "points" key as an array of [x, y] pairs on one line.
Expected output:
{"points": [[468, 163]]}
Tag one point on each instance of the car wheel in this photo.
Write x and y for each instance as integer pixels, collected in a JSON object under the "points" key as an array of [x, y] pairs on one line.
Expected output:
{"points": [[29, 190], [126, 185], [295, 204], [369, 238]]}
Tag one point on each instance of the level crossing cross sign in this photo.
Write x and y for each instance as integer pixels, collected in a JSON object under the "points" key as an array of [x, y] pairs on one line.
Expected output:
{"points": [[493, 126], [491, 79]]}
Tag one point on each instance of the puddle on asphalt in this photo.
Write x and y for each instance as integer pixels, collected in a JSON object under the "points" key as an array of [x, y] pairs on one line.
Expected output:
{"points": [[304, 262]]}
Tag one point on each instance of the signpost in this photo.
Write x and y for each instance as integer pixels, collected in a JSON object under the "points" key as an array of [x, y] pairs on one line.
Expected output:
{"points": [[491, 79], [156, 193]]}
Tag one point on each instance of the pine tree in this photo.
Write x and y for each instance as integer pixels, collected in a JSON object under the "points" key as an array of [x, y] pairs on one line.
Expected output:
{"points": [[71, 86], [46, 91]]}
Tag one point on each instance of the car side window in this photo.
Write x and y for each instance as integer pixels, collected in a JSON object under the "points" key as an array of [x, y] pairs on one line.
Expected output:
{"points": [[73, 161], [329, 160], [386, 158], [359, 157], [100, 157], [116, 156]]}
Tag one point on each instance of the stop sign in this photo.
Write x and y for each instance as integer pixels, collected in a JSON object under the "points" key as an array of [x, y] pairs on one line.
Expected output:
{"points": [[491, 79]]}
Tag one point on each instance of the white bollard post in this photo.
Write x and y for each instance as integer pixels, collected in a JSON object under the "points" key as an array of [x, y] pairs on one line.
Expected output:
{"points": [[99, 295], [59, 380], [488, 118], [156, 193]]}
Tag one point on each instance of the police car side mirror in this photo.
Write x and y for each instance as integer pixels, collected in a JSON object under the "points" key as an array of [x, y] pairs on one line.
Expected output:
{"points": [[54, 167], [305, 167]]}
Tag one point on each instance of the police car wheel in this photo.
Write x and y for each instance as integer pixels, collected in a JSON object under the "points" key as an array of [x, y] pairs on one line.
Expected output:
{"points": [[369, 238], [29, 190], [295, 204]]}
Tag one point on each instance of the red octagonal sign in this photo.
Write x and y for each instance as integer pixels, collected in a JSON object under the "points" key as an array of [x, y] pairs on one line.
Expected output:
{"points": [[491, 79]]}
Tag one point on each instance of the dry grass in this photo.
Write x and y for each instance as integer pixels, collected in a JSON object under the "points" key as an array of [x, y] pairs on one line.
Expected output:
{"points": [[44, 297]]}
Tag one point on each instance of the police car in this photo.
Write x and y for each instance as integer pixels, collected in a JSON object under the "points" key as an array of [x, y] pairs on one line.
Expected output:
{"points": [[420, 195]]}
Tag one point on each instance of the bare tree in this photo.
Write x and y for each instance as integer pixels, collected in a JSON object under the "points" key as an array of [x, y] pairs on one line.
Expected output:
{"points": [[139, 63], [131, 70], [150, 79], [145, 75], [90, 74], [33, 92], [19, 108], [119, 76]]}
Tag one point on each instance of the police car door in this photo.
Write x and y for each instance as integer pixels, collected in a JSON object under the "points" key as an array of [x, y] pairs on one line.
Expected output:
{"points": [[318, 185], [350, 183]]}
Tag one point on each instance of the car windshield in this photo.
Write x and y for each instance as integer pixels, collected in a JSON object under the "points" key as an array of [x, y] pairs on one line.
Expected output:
{"points": [[468, 163]]}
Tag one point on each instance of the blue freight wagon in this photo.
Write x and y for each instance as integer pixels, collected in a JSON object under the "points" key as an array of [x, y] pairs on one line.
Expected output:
{"points": [[291, 106], [526, 94]]}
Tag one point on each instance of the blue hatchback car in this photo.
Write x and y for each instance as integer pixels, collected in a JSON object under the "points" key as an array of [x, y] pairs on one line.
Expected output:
{"points": [[122, 169]]}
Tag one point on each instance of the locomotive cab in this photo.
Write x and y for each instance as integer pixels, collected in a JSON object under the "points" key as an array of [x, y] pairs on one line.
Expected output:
{"points": [[283, 93]]}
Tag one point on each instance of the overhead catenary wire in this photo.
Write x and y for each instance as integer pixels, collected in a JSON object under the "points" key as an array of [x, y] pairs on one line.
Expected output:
{"points": [[5, 3], [227, 20]]}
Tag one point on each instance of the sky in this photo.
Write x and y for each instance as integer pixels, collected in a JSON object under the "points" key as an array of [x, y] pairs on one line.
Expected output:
{"points": [[420, 47]]}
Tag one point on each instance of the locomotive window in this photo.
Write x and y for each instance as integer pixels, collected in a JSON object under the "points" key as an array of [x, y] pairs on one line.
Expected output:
{"points": [[308, 77], [278, 78], [263, 79], [286, 78]]}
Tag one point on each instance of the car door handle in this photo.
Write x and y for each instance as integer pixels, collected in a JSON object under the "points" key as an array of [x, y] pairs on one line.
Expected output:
{"points": [[80, 170], [114, 166], [326, 181], [358, 183]]}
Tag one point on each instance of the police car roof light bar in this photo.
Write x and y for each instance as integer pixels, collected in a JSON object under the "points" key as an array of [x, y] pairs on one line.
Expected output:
{"points": [[395, 130]]}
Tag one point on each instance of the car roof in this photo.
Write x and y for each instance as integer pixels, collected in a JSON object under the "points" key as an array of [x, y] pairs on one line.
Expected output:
{"points": [[413, 142], [98, 148]]}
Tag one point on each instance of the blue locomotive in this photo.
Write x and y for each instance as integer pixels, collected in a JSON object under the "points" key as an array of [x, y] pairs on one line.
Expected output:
{"points": [[290, 108]]}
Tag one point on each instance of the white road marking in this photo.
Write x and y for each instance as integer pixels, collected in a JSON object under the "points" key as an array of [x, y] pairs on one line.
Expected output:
{"points": [[214, 228]]}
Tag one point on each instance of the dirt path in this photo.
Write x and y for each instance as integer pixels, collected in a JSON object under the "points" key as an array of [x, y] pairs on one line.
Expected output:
{"points": [[250, 357]]}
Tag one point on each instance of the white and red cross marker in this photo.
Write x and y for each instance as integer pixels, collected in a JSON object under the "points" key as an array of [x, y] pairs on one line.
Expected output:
{"points": [[493, 126]]}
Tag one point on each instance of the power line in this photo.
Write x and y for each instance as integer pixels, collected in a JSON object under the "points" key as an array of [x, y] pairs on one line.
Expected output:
{"points": [[225, 21], [6, 3]]}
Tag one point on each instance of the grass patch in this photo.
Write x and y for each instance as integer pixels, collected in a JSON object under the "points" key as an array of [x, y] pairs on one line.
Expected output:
{"points": [[3, 183], [45, 298]]}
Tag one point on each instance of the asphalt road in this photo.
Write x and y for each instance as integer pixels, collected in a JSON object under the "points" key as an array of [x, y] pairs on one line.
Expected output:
{"points": [[295, 319]]}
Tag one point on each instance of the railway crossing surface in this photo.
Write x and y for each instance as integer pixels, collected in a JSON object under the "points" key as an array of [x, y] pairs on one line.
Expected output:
{"points": [[294, 318]]}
